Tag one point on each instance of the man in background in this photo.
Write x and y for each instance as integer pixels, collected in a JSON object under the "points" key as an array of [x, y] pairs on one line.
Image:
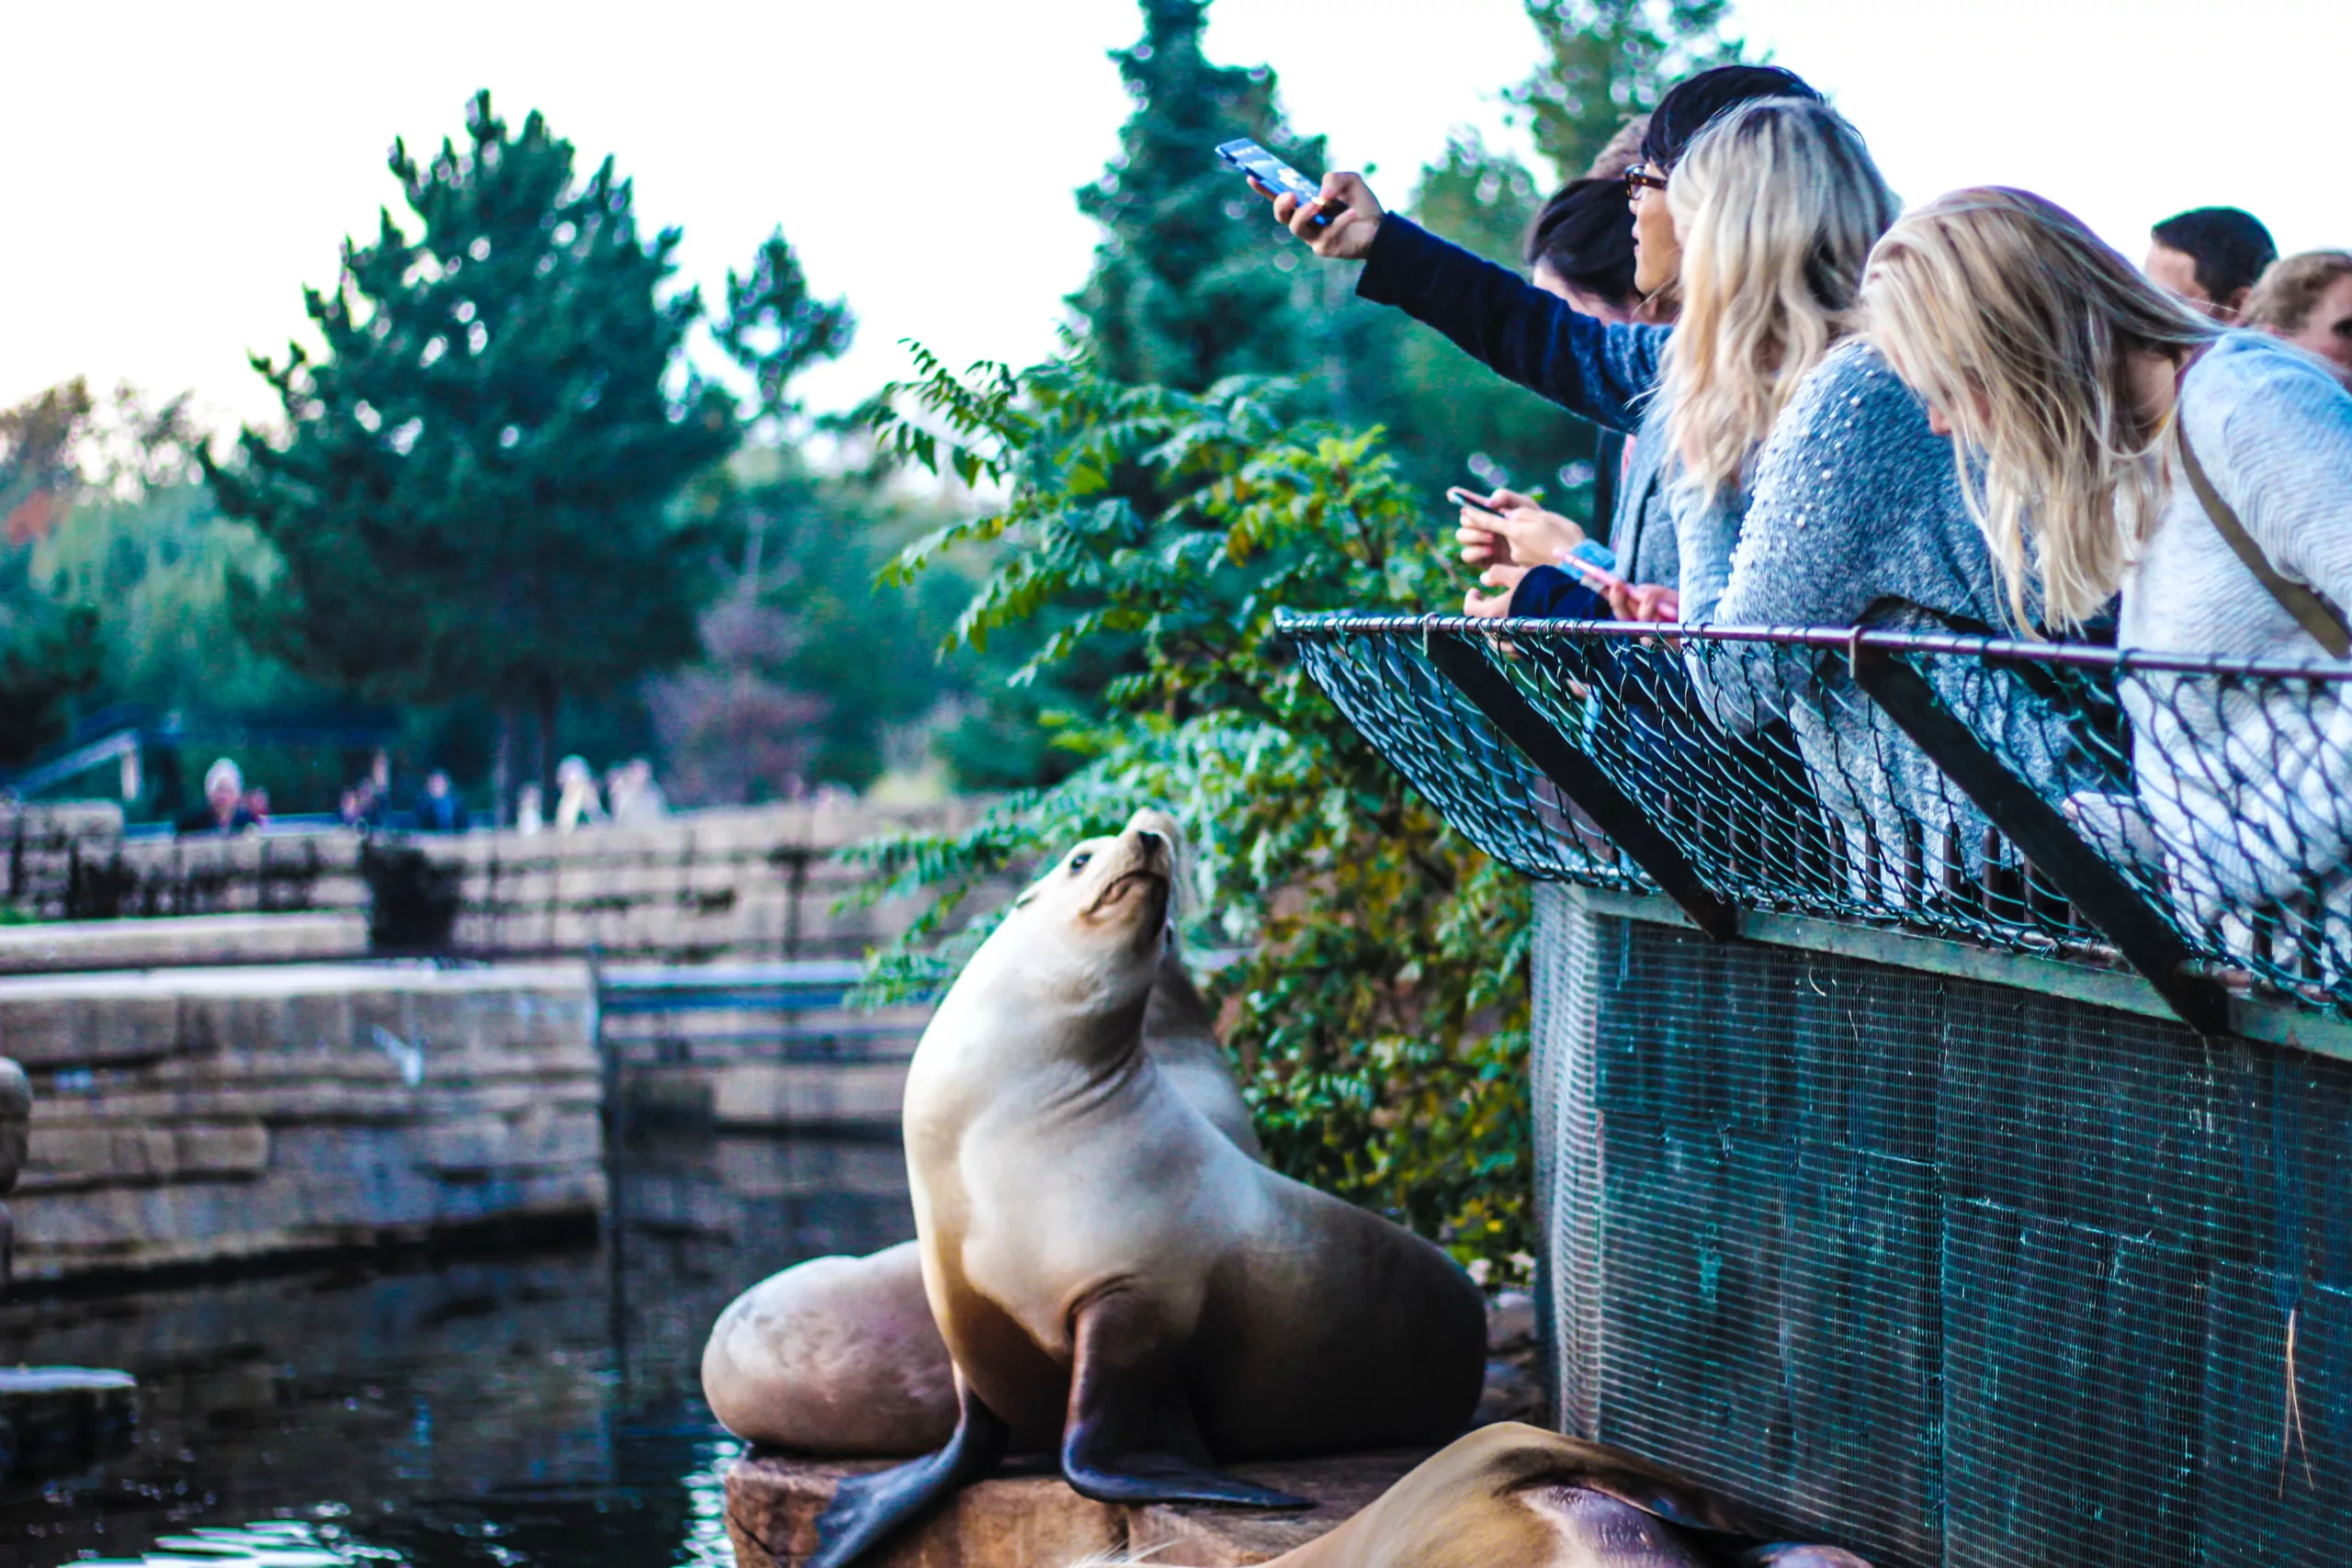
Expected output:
{"points": [[2211, 256], [438, 809]]}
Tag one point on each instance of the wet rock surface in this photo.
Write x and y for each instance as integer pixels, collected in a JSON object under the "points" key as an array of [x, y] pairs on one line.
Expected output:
{"points": [[55, 1420], [772, 1503]]}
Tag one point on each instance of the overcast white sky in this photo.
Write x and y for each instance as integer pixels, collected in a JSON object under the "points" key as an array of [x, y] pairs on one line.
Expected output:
{"points": [[174, 174]]}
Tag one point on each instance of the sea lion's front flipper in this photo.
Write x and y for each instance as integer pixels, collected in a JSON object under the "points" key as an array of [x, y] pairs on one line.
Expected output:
{"points": [[866, 1508], [1130, 1437]]}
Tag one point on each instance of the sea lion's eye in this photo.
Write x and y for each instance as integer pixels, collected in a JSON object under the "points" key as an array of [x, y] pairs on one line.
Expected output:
{"points": [[1077, 862]]}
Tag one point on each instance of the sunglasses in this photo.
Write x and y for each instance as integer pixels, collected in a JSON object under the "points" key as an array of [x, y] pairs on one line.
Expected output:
{"points": [[1638, 178]]}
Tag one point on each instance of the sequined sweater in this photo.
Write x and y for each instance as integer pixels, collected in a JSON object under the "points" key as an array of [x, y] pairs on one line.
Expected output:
{"points": [[1856, 517]]}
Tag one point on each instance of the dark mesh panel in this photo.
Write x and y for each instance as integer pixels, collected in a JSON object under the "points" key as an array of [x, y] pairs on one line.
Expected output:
{"points": [[2276, 1480], [1944, 1271], [1567, 1153]]}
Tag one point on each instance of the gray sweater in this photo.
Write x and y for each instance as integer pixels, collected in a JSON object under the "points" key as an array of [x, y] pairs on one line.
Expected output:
{"points": [[1857, 517], [2248, 789]]}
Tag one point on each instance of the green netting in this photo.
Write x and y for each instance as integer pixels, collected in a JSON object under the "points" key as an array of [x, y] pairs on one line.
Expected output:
{"points": [[1779, 779], [1947, 1272]]}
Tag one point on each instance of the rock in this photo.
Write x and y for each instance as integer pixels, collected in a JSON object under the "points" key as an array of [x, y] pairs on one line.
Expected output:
{"points": [[773, 1504], [56, 1420]]}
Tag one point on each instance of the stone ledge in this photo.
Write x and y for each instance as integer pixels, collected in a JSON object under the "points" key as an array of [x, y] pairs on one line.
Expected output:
{"points": [[772, 1501]]}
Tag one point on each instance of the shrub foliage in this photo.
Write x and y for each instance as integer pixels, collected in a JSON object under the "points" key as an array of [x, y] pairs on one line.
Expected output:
{"points": [[1375, 1000]]}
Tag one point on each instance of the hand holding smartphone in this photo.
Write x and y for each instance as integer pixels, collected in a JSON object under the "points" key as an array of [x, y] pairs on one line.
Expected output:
{"points": [[1274, 176]]}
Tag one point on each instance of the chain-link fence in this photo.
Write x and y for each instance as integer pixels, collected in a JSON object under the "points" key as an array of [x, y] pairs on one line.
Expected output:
{"points": [[2188, 816]]}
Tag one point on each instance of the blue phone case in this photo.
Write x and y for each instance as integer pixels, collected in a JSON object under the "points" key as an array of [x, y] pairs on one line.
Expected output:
{"points": [[1269, 170]]}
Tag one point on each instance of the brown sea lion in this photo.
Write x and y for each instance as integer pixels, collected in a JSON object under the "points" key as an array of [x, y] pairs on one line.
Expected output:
{"points": [[840, 1355], [1514, 1496], [1106, 1267]]}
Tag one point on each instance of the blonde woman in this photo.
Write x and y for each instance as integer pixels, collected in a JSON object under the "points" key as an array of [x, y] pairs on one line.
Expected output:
{"points": [[1814, 491], [2089, 409], [1606, 372]]}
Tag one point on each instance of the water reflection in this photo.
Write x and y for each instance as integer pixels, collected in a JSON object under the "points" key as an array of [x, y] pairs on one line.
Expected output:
{"points": [[488, 1411]]}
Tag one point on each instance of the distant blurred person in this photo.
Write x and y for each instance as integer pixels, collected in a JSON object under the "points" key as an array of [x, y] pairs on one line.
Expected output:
{"points": [[258, 803], [2307, 301], [632, 795], [530, 815], [577, 804], [438, 809], [362, 807], [225, 811], [2210, 258]]}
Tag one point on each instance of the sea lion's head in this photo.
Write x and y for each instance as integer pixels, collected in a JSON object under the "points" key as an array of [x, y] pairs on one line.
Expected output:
{"points": [[1088, 933]]}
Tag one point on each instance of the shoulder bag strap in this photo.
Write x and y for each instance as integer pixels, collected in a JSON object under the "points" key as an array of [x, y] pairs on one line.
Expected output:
{"points": [[2316, 615]]}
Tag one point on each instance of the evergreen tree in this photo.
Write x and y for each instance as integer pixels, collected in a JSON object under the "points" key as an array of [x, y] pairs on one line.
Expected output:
{"points": [[1191, 281], [474, 495], [805, 666], [50, 647], [1605, 61], [1451, 419]]}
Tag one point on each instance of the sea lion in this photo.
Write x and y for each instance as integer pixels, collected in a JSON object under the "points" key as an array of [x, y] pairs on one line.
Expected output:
{"points": [[1108, 1269], [1515, 1496], [840, 1355]]}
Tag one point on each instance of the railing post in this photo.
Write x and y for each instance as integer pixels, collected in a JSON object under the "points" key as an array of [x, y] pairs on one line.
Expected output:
{"points": [[1579, 778], [2141, 933]]}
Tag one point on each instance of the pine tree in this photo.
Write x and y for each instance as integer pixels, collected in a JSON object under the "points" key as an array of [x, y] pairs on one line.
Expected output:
{"points": [[474, 497], [1192, 280], [1608, 60], [50, 650]]}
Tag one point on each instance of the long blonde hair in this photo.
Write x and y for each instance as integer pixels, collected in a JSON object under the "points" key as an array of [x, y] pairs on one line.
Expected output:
{"points": [[2014, 320], [1778, 204]]}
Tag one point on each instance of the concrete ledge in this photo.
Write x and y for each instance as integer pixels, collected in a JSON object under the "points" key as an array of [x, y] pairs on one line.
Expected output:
{"points": [[773, 1502], [810, 1094], [188, 939], [185, 1118]]}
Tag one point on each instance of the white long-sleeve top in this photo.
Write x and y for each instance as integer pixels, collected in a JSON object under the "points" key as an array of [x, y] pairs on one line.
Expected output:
{"points": [[2248, 787]]}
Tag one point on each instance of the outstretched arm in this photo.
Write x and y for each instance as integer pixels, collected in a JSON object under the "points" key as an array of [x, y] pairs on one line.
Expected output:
{"points": [[1601, 371]]}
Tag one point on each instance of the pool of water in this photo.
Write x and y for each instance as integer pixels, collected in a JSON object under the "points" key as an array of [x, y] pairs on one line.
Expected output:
{"points": [[543, 1408]]}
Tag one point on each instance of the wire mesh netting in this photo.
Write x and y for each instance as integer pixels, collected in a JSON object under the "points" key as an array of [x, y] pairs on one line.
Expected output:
{"points": [[1780, 775], [1423, 726], [2222, 793], [1951, 1272]]}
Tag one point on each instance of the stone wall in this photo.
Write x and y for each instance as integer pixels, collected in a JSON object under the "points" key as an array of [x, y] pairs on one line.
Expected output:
{"points": [[54, 946], [201, 1115], [750, 884]]}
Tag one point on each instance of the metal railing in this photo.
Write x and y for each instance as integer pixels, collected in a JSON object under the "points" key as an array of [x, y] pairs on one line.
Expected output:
{"points": [[2189, 816]]}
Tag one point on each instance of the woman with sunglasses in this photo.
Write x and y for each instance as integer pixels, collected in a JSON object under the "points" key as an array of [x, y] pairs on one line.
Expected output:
{"points": [[1606, 373]]}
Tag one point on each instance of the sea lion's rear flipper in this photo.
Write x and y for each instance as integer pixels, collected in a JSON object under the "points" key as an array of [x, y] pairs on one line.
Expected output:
{"points": [[1130, 1437], [868, 1508]]}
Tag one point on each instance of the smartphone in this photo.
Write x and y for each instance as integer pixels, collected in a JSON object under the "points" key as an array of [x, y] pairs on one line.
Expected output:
{"points": [[1587, 552], [1601, 578], [1271, 172], [1594, 553], [1472, 499]]}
